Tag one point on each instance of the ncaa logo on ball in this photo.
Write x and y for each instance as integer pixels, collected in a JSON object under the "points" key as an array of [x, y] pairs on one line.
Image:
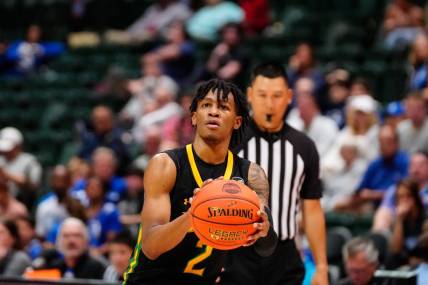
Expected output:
{"points": [[231, 188]]}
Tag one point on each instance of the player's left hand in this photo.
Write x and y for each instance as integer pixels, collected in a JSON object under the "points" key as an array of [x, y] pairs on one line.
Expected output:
{"points": [[205, 183], [262, 228], [320, 276]]}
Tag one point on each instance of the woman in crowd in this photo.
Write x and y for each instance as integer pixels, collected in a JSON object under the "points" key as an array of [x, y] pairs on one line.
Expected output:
{"points": [[408, 223], [13, 261], [361, 128]]}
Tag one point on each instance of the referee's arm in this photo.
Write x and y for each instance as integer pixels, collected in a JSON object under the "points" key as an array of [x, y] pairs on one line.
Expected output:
{"points": [[313, 216], [314, 224]]}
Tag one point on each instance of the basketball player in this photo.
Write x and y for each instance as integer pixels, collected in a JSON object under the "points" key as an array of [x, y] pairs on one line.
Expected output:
{"points": [[167, 252], [291, 162]]}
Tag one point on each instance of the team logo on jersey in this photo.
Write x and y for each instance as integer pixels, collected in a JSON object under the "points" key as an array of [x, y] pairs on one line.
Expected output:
{"points": [[231, 188]]}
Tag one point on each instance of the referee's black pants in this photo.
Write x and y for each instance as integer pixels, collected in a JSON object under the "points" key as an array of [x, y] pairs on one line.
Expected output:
{"points": [[245, 267]]}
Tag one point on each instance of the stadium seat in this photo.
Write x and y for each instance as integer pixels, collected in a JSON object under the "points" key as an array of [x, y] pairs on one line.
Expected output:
{"points": [[356, 224]]}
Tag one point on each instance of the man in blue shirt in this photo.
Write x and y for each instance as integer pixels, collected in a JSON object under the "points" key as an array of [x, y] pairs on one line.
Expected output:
{"points": [[104, 165], [385, 170], [103, 131], [418, 171]]}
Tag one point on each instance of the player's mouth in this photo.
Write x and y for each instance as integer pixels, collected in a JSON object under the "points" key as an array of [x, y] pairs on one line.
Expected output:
{"points": [[213, 124], [269, 118]]}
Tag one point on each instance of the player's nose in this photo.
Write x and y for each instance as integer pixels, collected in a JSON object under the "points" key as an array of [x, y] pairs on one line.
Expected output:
{"points": [[214, 111]]}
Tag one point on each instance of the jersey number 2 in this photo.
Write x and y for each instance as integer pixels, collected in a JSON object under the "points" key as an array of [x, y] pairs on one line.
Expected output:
{"points": [[190, 267]]}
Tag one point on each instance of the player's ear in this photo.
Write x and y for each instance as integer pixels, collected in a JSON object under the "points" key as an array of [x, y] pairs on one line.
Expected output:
{"points": [[194, 119], [249, 94], [238, 122], [289, 95]]}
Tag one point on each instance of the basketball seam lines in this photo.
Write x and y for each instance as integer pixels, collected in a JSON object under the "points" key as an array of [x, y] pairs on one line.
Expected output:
{"points": [[224, 224]]}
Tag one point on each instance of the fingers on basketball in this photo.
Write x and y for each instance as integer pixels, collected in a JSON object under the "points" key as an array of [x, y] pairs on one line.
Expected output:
{"points": [[205, 183]]}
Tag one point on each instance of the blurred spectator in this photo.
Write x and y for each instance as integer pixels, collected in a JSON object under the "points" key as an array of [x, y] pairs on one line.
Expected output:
{"points": [[103, 132], [421, 253], [10, 208], [393, 114], [208, 20], [22, 170], [361, 127], [27, 237], [308, 119], [229, 59], [414, 130], [57, 205], [418, 171], [13, 261], [419, 62], [338, 93], [142, 91], [360, 86], [119, 252], [407, 225], [361, 261], [104, 167], [79, 169], [5, 64], [131, 205], [403, 21], [74, 259], [339, 184], [150, 147], [163, 108], [303, 64], [177, 55], [114, 84], [425, 94], [78, 11], [256, 15], [386, 170], [178, 130], [29, 55], [103, 217], [153, 23]]}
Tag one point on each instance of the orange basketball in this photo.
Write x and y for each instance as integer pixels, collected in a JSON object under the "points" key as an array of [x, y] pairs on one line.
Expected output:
{"points": [[223, 213]]}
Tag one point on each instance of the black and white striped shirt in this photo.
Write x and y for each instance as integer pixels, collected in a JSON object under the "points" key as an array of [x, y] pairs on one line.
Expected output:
{"points": [[291, 163]]}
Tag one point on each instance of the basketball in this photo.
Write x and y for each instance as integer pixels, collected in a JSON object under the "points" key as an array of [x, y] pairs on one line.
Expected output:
{"points": [[223, 213]]}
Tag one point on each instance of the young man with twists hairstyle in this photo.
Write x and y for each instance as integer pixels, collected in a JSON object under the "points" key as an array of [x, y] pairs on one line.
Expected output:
{"points": [[168, 251]]}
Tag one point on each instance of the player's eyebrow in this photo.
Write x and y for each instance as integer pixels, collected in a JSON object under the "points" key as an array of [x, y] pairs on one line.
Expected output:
{"points": [[206, 98]]}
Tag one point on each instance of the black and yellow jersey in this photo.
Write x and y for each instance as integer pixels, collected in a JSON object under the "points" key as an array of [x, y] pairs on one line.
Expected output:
{"points": [[190, 262]]}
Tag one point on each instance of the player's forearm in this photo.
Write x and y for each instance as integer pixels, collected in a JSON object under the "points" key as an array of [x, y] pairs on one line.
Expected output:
{"points": [[316, 233], [266, 245], [159, 239]]}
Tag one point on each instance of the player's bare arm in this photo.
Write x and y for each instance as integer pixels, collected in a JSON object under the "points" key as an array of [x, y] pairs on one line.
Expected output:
{"points": [[257, 181], [159, 179]]}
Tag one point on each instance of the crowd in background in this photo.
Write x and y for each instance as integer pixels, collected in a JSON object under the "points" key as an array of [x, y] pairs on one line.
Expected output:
{"points": [[373, 155]]}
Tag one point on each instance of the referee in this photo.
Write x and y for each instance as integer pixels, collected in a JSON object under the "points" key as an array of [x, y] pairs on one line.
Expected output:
{"points": [[291, 163]]}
